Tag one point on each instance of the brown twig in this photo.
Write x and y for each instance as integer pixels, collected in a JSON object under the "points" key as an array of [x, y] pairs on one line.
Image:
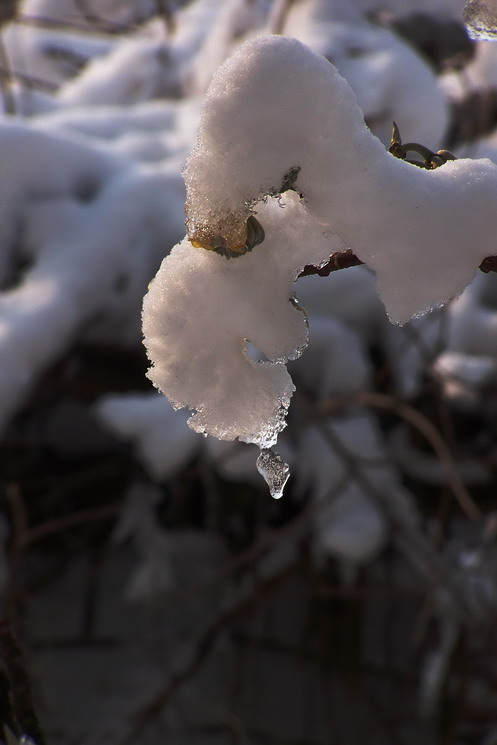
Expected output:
{"points": [[8, 11], [20, 687], [423, 425], [346, 259], [489, 264], [278, 16], [88, 13], [18, 542], [337, 260], [297, 526], [109, 27], [6, 80], [164, 11], [407, 537], [28, 80], [59, 524], [192, 656]]}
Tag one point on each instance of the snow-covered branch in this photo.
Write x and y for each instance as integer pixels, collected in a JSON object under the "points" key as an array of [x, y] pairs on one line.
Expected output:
{"points": [[276, 116]]}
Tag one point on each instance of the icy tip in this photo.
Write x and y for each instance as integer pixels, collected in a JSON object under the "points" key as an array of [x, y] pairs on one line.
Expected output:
{"points": [[480, 19], [274, 471]]}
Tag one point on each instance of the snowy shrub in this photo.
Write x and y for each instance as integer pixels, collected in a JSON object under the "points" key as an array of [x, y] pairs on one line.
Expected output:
{"points": [[162, 594]]}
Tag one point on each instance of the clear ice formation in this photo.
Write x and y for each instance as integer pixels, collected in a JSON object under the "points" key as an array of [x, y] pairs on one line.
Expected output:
{"points": [[273, 470], [480, 18]]}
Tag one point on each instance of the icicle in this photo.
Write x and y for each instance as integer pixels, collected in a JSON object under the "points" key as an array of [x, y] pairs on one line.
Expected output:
{"points": [[273, 470], [480, 18]]}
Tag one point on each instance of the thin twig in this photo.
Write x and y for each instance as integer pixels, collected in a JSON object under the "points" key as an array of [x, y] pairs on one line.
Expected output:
{"points": [[426, 428], [8, 11], [278, 16], [410, 542], [297, 527], [109, 27], [405, 534], [423, 425], [226, 718], [29, 80], [337, 260], [189, 660], [489, 264], [59, 524], [347, 259], [6, 80], [87, 12], [164, 11], [19, 519], [20, 686]]}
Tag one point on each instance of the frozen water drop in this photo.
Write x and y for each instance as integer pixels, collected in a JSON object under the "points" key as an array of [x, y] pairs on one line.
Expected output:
{"points": [[480, 18], [273, 470]]}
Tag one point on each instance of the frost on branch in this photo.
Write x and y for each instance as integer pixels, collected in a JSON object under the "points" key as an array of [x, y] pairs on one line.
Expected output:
{"points": [[277, 115]]}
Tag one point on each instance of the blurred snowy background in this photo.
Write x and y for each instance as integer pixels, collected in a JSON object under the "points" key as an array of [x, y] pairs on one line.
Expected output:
{"points": [[159, 594]]}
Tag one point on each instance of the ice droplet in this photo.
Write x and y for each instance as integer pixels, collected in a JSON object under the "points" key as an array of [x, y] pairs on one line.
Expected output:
{"points": [[480, 18], [273, 470]]}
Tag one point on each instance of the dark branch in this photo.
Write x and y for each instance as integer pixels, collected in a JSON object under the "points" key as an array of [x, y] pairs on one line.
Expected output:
{"points": [[346, 259], [339, 260], [18, 681], [489, 264]]}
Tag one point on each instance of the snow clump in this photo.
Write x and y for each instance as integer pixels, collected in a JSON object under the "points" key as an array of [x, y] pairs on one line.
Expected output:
{"points": [[201, 309]]}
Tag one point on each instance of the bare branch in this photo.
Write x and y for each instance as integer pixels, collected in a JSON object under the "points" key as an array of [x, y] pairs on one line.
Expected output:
{"points": [[20, 686], [489, 264], [423, 425], [338, 260], [106, 27], [164, 11], [5, 81], [346, 259], [277, 566]]}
